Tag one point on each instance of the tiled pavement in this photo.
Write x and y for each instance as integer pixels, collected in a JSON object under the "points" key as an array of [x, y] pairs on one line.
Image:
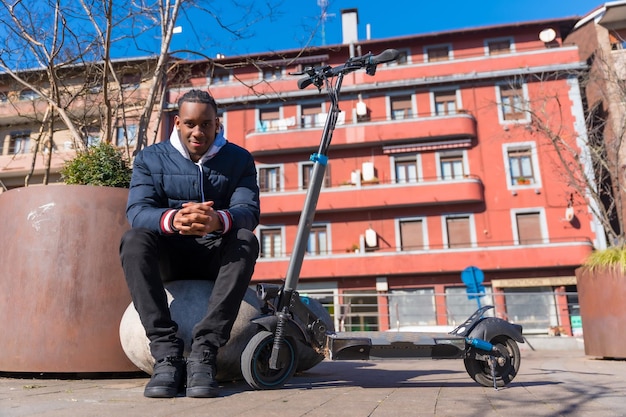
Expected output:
{"points": [[549, 383]]}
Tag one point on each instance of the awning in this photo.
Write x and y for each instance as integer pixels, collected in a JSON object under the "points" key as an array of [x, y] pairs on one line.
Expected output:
{"points": [[313, 59], [428, 146]]}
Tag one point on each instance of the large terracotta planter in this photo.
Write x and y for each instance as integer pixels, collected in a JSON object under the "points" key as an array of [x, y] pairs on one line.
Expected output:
{"points": [[602, 299], [62, 289]]}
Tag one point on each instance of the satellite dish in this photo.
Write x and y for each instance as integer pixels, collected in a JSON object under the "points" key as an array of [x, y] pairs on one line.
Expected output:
{"points": [[371, 238], [547, 35]]}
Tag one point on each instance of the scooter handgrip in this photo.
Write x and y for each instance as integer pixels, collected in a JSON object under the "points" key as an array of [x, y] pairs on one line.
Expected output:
{"points": [[304, 82]]}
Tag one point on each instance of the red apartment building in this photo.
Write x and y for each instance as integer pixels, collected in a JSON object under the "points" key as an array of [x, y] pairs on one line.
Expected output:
{"points": [[434, 166]]}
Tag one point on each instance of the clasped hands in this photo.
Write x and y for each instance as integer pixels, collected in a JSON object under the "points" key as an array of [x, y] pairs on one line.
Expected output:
{"points": [[197, 219]]}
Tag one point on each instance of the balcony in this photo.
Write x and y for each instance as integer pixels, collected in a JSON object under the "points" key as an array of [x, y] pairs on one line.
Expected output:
{"points": [[355, 197], [296, 138], [494, 256]]}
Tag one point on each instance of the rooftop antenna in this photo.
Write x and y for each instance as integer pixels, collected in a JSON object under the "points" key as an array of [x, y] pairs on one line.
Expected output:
{"points": [[323, 4]]}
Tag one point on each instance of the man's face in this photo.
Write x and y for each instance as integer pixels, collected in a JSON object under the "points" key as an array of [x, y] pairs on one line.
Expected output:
{"points": [[197, 126]]}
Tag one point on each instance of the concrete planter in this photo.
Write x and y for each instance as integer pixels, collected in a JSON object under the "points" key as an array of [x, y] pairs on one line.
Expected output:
{"points": [[602, 299], [62, 288]]}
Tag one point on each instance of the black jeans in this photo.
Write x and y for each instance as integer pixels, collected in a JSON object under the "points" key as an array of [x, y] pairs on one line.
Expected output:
{"points": [[150, 259]]}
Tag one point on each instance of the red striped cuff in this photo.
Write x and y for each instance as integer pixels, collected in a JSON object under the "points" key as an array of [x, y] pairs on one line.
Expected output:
{"points": [[227, 220], [167, 222]]}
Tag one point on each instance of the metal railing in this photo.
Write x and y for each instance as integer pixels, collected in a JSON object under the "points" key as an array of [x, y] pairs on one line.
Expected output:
{"points": [[542, 312]]}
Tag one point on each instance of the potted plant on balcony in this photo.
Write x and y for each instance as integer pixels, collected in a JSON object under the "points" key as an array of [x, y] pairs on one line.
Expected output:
{"points": [[601, 283], [523, 181], [63, 290]]}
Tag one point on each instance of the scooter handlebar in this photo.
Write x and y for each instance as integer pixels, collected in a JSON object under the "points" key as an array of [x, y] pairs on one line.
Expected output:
{"points": [[367, 61]]}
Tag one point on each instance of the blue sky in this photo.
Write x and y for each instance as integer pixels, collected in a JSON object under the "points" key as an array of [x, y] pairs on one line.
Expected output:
{"points": [[389, 18]]}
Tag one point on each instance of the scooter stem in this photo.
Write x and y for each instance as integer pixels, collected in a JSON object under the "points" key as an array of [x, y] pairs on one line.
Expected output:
{"points": [[320, 160]]}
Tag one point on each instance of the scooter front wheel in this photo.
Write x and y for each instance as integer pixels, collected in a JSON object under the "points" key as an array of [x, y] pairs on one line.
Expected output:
{"points": [[506, 365], [255, 362]]}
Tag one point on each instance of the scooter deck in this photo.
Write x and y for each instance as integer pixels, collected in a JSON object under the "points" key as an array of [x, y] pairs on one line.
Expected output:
{"points": [[389, 345]]}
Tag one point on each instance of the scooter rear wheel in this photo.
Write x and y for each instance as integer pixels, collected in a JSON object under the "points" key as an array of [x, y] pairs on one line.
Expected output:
{"points": [[506, 366], [255, 362]]}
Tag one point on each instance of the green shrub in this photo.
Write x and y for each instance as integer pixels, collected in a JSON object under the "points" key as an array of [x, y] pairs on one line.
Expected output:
{"points": [[102, 165], [613, 257]]}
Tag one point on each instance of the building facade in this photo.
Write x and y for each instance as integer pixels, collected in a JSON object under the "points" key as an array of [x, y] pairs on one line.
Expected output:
{"points": [[601, 40], [28, 123], [441, 164], [437, 164]]}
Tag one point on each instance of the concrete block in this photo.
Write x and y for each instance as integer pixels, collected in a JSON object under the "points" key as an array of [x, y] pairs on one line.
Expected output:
{"points": [[188, 300]]}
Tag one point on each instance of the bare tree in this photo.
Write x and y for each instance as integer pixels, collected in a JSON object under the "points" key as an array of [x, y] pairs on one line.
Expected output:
{"points": [[72, 44], [590, 162]]}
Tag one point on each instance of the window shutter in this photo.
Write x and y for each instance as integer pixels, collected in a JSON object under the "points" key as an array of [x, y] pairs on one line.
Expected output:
{"points": [[528, 228], [458, 232], [411, 235]]}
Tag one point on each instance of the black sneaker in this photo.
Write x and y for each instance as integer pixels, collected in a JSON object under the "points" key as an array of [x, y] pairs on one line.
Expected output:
{"points": [[167, 378], [201, 374]]}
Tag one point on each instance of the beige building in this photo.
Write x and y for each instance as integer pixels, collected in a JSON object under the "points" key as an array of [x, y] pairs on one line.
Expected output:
{"points": [[601, 40], [26, 127]]}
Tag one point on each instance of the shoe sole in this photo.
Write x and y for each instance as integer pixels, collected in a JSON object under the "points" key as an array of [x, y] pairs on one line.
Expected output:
{"points": [[202, 392], [159, 392]]}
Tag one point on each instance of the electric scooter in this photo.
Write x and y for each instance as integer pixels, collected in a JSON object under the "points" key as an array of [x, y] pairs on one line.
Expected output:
{"points": [[289, 324]]}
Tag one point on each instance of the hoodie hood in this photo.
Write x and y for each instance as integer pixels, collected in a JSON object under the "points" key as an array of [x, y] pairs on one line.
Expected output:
{"points": [[218, 143]]}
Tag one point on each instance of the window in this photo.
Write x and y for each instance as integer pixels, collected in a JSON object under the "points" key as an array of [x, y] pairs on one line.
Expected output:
{"points": [[437, 53], [19, 143], [131, 80], [131, 131], [271, 242], [306, 174], [272, 73], [533, 307], [521, 166], [528, 228], [303, 67], [451, 165], [401, 107], [311, 115], [94, 88], [3, 97], [269, 118], [359, 311], [318, 241], [512, 101], [459, 307], [499, 46], [458, 232], [405, 169], [219, 76], [28, 95], [412, 236], [269, 179], [445, 102], [93, 136], [415, 307]]}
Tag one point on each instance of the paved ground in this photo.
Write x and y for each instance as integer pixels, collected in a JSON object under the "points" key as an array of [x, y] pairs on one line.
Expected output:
{"points": [[550, 383]]}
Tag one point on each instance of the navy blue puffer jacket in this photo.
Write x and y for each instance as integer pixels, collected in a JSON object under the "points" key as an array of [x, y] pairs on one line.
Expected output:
{"points": [[163, 179]]}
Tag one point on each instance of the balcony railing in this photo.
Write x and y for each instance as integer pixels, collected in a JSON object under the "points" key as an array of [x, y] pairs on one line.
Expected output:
{"points": [[550, 312], [379, 193], [353, 133], [552, 253]]}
